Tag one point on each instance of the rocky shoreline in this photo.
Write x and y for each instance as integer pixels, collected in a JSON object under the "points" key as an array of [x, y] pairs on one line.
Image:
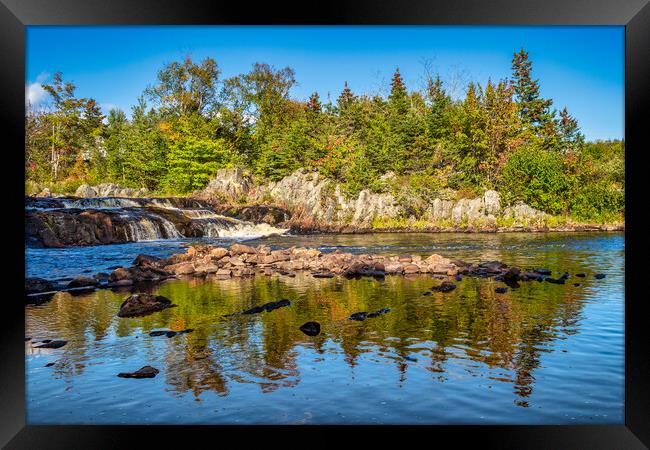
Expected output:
{"points": [[217, 263]]}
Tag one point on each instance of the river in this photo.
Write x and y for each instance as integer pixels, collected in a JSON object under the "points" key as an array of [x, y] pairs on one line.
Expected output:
{"points": [[538, 354]]}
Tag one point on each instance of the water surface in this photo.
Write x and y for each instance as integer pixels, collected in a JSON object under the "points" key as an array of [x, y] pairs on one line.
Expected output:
{"points": [[542, 353]]}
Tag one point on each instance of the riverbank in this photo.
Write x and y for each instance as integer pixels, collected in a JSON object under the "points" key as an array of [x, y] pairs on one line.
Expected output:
{"points": [[84, 221]]}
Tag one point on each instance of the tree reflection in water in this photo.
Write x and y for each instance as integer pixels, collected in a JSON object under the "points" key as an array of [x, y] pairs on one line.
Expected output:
{"points": [[491, 331]]}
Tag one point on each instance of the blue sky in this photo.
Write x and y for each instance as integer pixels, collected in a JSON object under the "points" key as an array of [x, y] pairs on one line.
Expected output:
{"points": [[581, 68]]}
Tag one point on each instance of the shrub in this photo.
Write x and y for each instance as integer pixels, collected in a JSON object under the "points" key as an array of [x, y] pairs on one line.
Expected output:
{"points": [[536, 177]]}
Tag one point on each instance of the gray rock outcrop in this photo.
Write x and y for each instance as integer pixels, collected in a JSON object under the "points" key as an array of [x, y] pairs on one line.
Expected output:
{"points": [[108, 190], [230, 184]]}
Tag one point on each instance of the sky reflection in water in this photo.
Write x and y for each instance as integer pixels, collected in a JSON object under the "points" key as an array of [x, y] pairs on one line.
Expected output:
{"points": [[541, 353]]}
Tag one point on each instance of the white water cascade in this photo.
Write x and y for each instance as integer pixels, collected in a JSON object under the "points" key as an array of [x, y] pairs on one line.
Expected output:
{"points": [[147, 219]]}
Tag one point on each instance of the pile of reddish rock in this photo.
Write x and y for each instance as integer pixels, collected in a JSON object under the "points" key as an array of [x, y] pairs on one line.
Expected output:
{"points": [[242, 260]]}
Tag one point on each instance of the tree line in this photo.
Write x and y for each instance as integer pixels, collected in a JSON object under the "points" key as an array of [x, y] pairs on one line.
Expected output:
{"points": [[191, 122]]}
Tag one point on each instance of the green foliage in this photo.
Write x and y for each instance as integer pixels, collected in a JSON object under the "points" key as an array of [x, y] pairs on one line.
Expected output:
{"points": [[536, 176], [502, 135], [193, 161]]}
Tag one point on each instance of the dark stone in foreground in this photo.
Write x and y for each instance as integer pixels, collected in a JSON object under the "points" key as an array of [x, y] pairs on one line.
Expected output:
{"points": [[366, 315], [378, 313], [445, 286], [599, 276], [34, 285], [51, 344], [143, 372], [268, 307], [82, 282], [359, 316], [310, 328], [143, 304], [501, 290], [170, 333]]}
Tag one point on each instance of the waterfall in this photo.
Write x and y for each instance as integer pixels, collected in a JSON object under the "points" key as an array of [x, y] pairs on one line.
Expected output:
{"points": [[199, 214], [227, 227], [149, 228], [100, 203], [140, 219]]}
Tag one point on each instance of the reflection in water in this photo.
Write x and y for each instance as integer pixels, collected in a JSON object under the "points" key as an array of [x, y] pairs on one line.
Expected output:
{"points": [[464, 346]]}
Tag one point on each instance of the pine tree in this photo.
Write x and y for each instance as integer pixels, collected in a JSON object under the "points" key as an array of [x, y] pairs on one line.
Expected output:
{"points": [[569, 131], [534, 110], [346, 98], [314, 103], [398, 99]]}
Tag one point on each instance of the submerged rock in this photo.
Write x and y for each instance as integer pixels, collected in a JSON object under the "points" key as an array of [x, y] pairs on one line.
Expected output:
{"points": [[555, 280], [143, 372], [358, 316], [543, 271], [366, 315], [445, 286], [378, 313], [310, 328], [268, 307], [51, 344], [581, 275], [501, 290], [143, 304], [599, 276]]}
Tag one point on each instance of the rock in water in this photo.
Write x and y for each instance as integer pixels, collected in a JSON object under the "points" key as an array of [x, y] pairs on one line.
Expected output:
{"points": [[143, 304], [556, 281], [501, 290], [358, 316], [310, 328], [51, 344], [599, 276], [543, 271], [445, 286], [378, 313], [33, 285], [143, 372], [255, 310], [82, 282], [158, 333], [268, 307], [240, 249], [581, 275], [323, 275]]}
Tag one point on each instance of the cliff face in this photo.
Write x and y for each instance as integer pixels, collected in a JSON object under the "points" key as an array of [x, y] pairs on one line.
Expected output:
{"points": [[318, 203]]}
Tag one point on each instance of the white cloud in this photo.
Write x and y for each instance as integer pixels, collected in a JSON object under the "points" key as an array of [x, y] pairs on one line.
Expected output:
{"points": [[34, 92]]}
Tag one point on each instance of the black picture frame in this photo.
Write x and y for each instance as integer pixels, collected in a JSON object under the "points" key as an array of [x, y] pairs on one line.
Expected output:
{"points": [[633, 14]]}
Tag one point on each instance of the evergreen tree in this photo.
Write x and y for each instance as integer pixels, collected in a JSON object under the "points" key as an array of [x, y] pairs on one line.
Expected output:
{"points": [[534, 110], [346, 99], [569, 131], [314, 103]]}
